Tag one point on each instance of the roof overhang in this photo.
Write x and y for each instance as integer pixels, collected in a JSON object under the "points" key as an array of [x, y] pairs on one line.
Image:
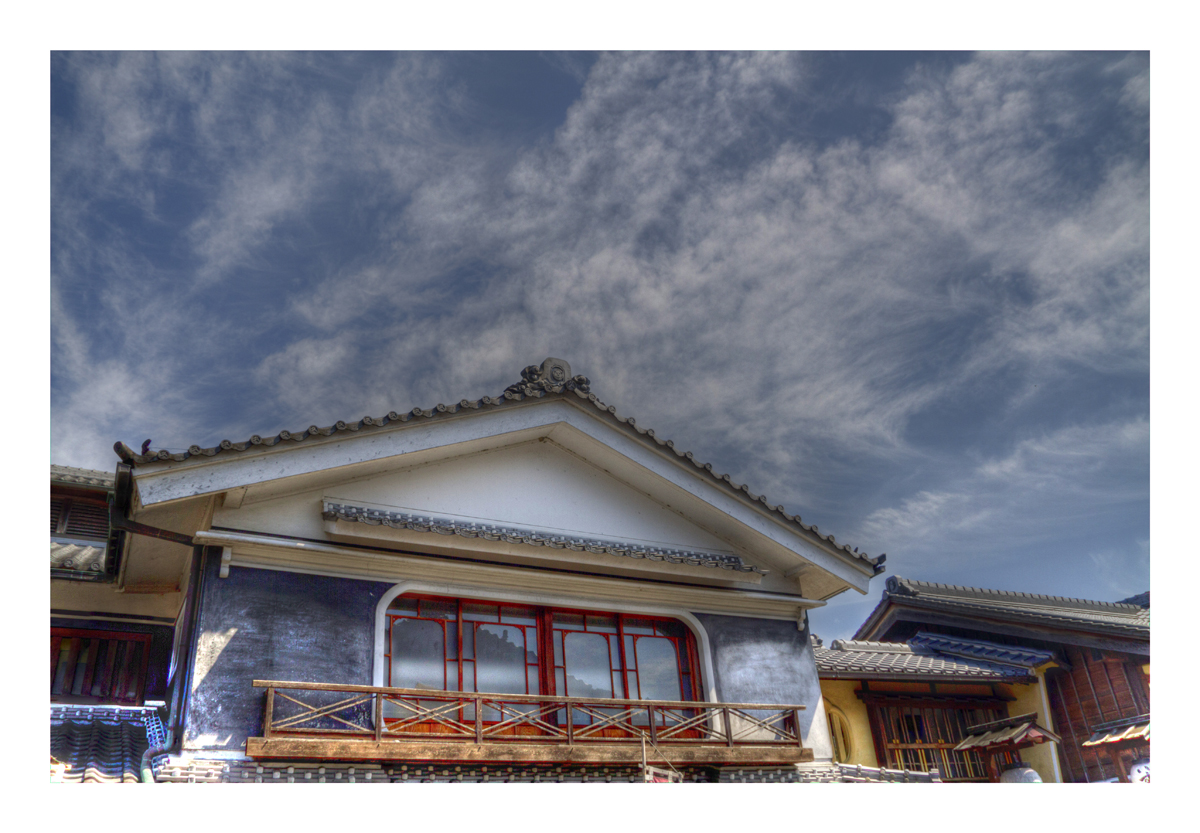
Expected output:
{"points": [[821, 567]]}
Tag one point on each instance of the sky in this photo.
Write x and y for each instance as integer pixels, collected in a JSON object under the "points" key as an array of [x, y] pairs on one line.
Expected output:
{"points": [[905, 295]]}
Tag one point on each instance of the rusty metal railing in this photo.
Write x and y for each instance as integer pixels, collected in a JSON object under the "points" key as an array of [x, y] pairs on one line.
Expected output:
{"points": [[373, 713]]}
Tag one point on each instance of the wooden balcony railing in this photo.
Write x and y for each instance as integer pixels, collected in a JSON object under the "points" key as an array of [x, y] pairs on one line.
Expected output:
{"points": [[353, 722]]}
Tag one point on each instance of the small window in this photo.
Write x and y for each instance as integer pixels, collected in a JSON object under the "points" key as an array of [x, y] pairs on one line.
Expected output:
{"points": [[839, 735], [98, 667]]}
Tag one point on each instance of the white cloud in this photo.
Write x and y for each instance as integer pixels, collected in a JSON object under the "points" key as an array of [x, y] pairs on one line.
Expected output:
{"points": [[775, 303]]}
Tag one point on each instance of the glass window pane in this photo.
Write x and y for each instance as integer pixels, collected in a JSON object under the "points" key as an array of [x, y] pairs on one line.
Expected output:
{"points": [[468, 641], [560, 682], [476, 612], [618, 692], [630, 656], [404, 604], [418, 653], [568, 620], [614, 654], [601, 624], [587, 665], [438, 609], [518, 616], [531, 674], [468, 676], [558, 648], [500, 659], [640, 627], [658, 669]]}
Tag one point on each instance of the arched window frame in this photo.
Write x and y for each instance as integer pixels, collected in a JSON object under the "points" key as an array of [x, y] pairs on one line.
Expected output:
{"points": [[840, 737], [379, 666]]}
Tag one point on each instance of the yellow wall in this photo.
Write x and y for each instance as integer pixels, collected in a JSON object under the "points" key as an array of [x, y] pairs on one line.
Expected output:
{"points": [[839, 694], [1032, 699], [1029, 699]]}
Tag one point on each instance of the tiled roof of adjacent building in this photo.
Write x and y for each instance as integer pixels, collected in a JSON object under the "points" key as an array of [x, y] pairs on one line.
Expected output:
{"points": [[102, 744], [898, 660], [551, 380], [979, 649], [81, 477], [1059, 611], [76, 556]]}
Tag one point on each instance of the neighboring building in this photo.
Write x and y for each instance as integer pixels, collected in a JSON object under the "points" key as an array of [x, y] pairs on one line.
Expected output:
{"points": [[909, 705], [1095, 696], [109, 651], [521, 587]]}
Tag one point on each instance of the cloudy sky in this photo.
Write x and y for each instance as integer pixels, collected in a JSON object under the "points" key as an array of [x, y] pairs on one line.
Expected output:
{"points": [[905, 295]]}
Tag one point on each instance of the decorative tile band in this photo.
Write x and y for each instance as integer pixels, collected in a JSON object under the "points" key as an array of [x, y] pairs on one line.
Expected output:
{"points": [[514, 535]]}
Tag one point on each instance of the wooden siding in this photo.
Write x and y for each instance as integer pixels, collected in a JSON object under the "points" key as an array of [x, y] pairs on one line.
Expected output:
{"points": [[1101, 686]]}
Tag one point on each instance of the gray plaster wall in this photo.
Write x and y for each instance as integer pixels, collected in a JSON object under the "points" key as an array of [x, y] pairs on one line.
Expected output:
{"points": [[269, 625], [768, 661]]}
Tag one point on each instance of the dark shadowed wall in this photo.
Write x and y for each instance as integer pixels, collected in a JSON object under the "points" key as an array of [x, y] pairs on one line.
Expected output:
{"points": [[768, 661], [268, 625]]}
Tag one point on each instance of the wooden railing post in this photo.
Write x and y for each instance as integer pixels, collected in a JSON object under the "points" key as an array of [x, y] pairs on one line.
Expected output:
{"points": [[378, 717], [653, 726], [728, 726], [269, 711], [478, 718], [796, 727], [570, 725]]}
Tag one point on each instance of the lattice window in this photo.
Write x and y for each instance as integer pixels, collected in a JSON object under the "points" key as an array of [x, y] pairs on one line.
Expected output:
{"points": [[100, 667], [922, 737]]}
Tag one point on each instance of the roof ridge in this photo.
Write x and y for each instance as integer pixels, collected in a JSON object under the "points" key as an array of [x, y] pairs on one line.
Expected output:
{"points": [[869, 646], [906, 586], [551, 379]]}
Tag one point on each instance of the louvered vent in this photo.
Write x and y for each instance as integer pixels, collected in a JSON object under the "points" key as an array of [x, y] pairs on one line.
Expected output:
{"points": [[56, 513], [74, 518]]}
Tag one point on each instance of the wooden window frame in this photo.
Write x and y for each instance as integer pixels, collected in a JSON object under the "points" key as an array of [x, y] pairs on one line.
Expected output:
{"points": [[898, 744], [112, 679]]}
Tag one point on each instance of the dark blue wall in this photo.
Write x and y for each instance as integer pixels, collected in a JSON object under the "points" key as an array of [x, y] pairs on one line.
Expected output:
{"points": [[269, 625], [764, 661]]}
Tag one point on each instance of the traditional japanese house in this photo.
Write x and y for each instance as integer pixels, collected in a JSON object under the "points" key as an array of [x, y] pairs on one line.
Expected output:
{"points": [[912, 705], [1097, 690], [520, 587], [109, 650]]}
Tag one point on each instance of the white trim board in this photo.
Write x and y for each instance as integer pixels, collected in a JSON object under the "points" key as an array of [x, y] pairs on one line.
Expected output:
{"points": [[265, 552]]}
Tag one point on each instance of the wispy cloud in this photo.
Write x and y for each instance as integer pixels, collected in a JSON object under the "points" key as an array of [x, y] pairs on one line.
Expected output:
{"points": [[914, 308]]}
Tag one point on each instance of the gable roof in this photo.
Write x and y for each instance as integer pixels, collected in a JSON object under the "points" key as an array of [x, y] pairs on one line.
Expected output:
{"points": [[551, 381], [1118, 618], [919, 659]]}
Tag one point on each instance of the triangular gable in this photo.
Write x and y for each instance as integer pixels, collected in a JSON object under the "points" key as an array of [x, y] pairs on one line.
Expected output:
{"points": [[673, 486]]}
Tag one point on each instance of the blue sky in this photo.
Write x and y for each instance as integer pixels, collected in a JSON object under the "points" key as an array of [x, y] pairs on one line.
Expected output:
{"points": [[905, 295]]}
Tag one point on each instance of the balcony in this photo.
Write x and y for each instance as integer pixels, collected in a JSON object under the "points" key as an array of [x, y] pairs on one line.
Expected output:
{"points": [[369, 723]]}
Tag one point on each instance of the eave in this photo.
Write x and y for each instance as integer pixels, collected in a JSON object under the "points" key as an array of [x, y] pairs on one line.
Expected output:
{"points": [[575, 423]]}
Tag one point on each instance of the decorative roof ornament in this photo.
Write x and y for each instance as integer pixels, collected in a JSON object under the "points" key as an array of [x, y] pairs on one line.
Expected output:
{"points": [[553, 376]]}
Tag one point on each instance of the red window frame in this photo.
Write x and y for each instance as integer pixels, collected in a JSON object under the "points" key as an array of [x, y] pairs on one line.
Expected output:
{"points": [[550, 638], [98, 667]]}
